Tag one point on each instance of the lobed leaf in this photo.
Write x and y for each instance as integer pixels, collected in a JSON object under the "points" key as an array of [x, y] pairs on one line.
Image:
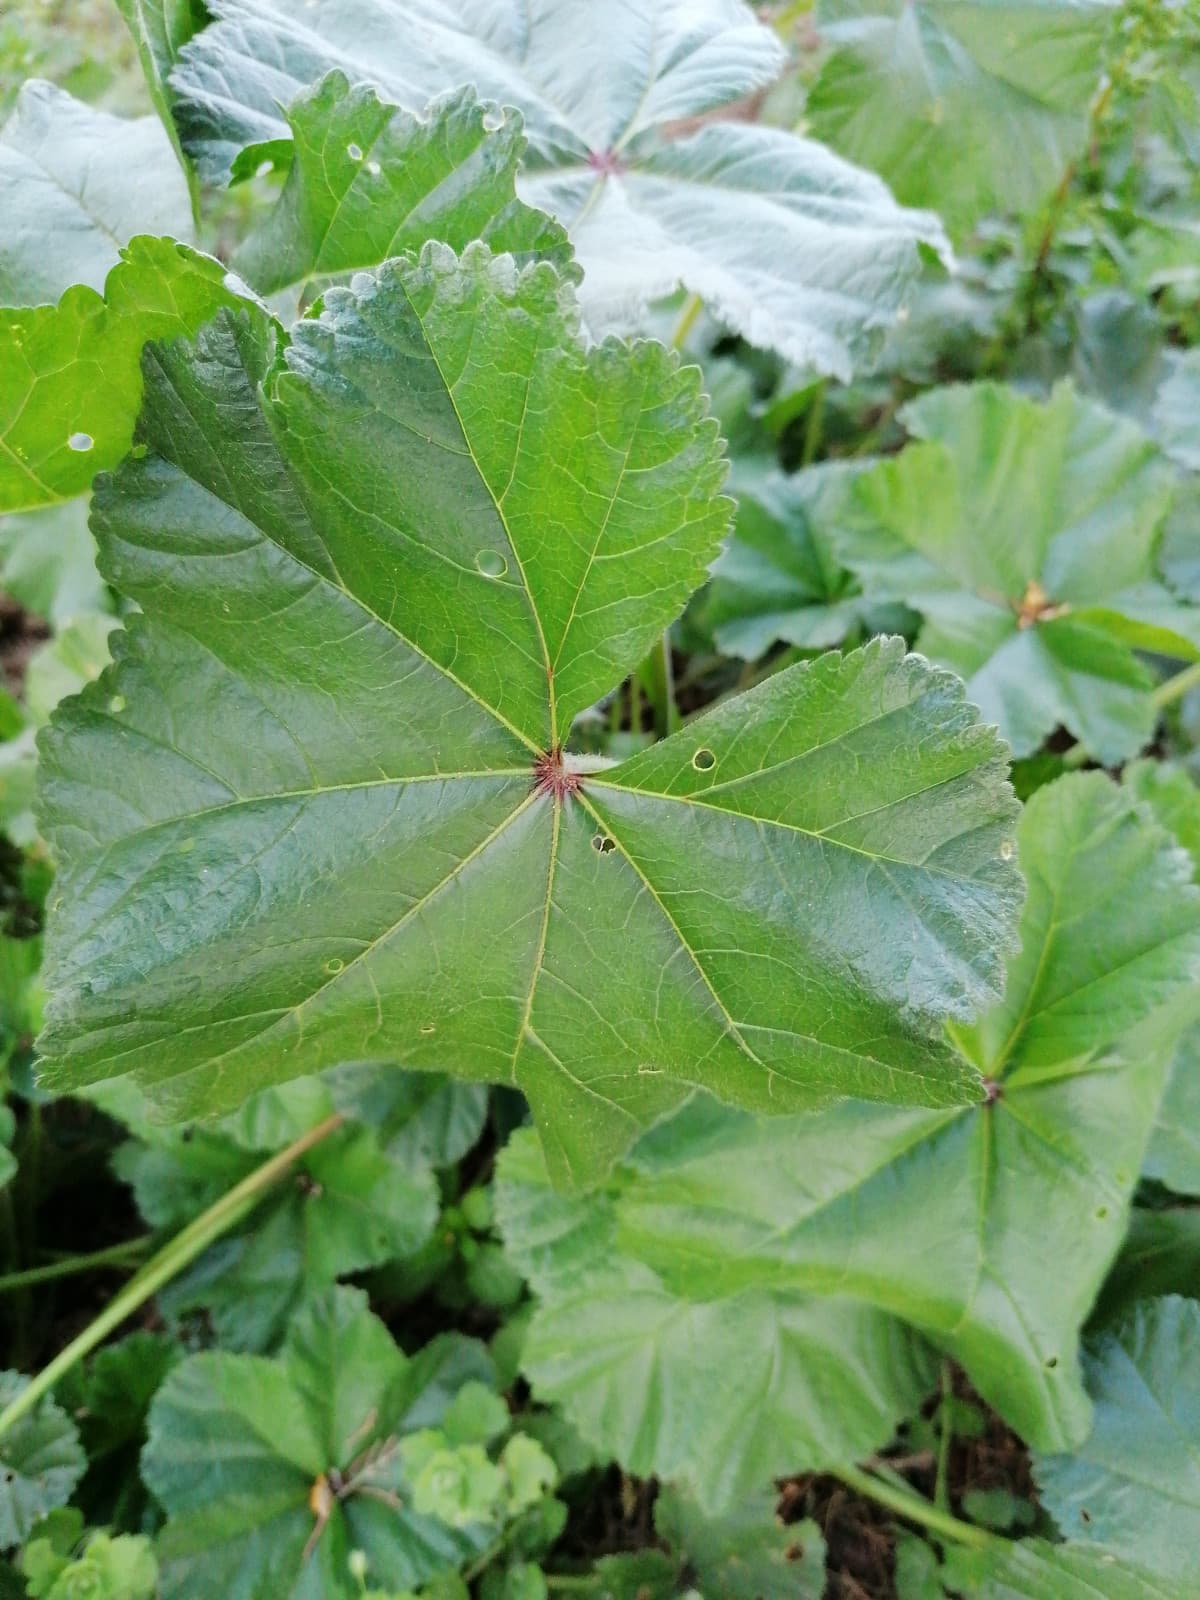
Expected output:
{"points": [[721, 1227], [1027, 535], [794, 248], [318, 810], [244, 1453]]}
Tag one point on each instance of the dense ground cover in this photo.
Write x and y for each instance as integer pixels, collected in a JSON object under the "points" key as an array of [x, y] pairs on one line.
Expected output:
{"points": [[600, 928]]}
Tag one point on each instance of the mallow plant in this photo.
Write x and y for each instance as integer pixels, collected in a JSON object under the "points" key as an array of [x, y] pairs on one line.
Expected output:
{"points": [[512, 802]]}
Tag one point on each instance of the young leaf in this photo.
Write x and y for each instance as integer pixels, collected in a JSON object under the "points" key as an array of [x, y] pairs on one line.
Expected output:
{"points": [[272, 1472], [40, 1463], [792, 247], [368, 181], [719, 1221], [401, 555], [778, 578], [70, 378], [935, 95], [123, 1568], [1132, 1488], [1027, 537], [75, 185]]}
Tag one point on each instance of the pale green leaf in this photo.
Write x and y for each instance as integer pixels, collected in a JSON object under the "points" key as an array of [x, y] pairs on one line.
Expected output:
{"points": [[1035, 1570], [70, 374], [792, 247], [41, 1461], [656, 1303], [937, 95], [243, 1452], [1177, 411], [317, 810], [1027, 536], [1132, 1488], [48, 563], [75, 185], [368, 181]]}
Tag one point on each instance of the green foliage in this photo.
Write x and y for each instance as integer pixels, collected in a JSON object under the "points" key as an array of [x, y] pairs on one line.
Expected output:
{"points": [[1132, 1489], [426, 746], [724, 1229], [41, 1461], [451, 784], [1027, 536], [794, 249], [85, 180], [928, 93]]}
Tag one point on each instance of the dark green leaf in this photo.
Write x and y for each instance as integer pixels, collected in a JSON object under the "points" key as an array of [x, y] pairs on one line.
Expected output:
{"points": [[41, 1461]]}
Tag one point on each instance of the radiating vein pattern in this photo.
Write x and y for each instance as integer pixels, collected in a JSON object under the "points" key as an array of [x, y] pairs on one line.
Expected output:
{"points": [[318, 810]]}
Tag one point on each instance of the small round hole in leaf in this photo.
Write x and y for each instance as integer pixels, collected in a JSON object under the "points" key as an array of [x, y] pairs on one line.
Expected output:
{"points": [[704, 760], [602, 844], [334, 965], [80, 441], [354, 151], [374, 168], [1051, 1362], [428, 1028], [491, 563]]}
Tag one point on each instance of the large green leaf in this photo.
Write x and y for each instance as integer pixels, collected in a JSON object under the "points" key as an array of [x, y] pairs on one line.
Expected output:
{"points": [[721, 1390], [70, 381], [792, 247], [243, 1452], [1132, 1489], [1027, 536], [75, 185], [937, 95], [398, 557], [988, 1229], [368, 181]]}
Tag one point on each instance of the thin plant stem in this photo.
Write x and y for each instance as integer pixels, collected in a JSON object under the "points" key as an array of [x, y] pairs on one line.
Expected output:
{"points": [[1175, 688], [170, 1261], [941, 1481], [692, 307], [813, 426], [126, 1254], [907, 1504]]}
